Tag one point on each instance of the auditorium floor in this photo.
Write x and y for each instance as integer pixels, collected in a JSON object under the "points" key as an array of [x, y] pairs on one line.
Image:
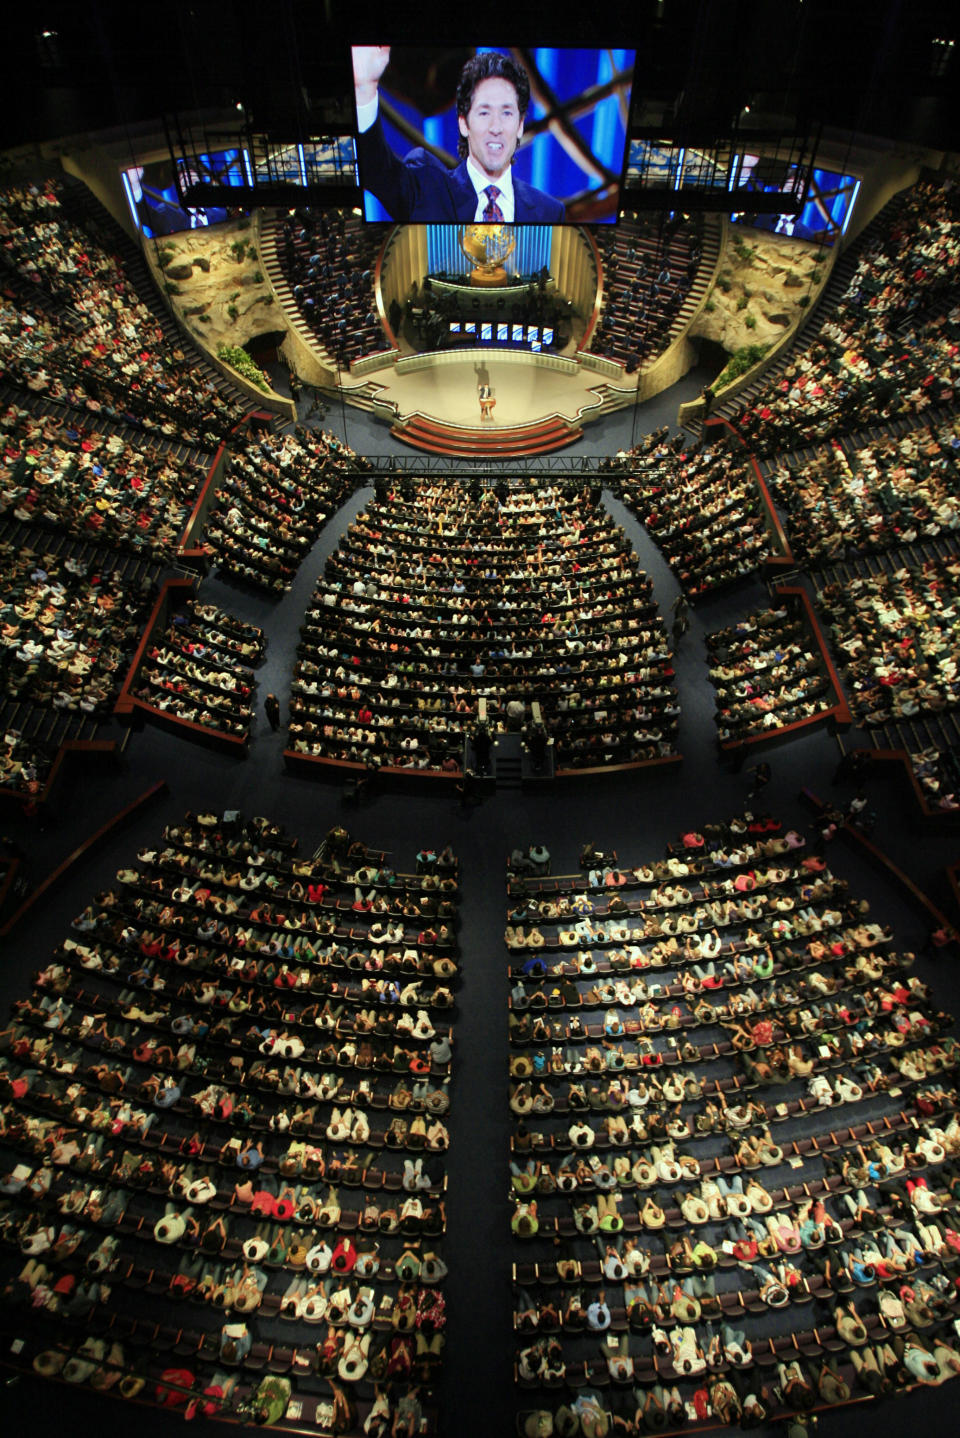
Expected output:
{"points": [[636, 814], [524, 392], [449, 393]]}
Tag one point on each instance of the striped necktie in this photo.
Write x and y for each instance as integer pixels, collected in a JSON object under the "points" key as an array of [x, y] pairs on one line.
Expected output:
{"points": [[492, 215]]}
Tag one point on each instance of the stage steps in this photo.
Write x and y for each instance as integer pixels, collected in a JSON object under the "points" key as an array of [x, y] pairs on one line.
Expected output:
{"points": [[509, 761], [504, 441]]}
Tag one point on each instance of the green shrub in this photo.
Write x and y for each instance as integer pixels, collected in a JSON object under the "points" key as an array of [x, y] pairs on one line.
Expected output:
{"points": [[739, 362], [709, 307], [723, 283], [171, 289], [816, 276], [232, 311], [258, 277], [751, 322], [239, 360], [742, 302], [803, 301], [238, 249]]}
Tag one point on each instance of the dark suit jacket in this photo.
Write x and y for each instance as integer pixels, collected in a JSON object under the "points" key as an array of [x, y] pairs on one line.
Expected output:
{"points": [[419, 190]]}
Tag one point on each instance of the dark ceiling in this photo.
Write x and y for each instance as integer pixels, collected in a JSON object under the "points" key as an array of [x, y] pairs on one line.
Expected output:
{"points": [[885, 67]]}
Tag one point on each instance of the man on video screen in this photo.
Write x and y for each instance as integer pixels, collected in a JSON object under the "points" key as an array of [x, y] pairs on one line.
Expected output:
{"points": [[492, 100]]}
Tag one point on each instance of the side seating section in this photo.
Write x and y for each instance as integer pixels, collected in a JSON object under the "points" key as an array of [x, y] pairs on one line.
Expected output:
{"points": [[328, 261], [702, 507], [768, 671], [192, 670], [84, 337], [888, 349], [274, 497]]}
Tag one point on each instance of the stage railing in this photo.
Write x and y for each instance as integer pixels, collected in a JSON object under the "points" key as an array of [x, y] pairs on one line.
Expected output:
{"points": [[410, 364]]}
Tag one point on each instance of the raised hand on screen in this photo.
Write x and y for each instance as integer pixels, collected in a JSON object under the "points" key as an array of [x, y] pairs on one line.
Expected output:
{"points": [[369, 63]]}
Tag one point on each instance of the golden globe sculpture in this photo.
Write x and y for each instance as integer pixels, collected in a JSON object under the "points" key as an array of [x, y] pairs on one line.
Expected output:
{"points": [[487, 247]]}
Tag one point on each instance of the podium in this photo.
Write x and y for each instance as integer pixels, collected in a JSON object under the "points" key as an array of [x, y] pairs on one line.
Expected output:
{"points": [[487, 403]]}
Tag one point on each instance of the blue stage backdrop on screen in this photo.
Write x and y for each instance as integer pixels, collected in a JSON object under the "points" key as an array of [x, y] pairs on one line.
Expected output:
{"points": [[825, 214], [151, 191], [565, 157]]}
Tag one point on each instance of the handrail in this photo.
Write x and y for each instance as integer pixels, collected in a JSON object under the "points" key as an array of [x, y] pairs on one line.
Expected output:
{"points": [[202, 503], [125, 700], [590, 773], [82, 852], [219, 738], [773, 519], [293, 759], [68, 748], [872, 851], [321, 765], [597, 293]]}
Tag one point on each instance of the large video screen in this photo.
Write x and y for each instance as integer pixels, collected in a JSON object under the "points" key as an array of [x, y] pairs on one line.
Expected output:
{"points": [[825, 213], [154, 199], [491, 136]]}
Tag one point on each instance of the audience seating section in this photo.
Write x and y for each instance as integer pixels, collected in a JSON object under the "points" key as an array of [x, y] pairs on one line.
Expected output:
{"points": [[95, 483], [734, 1161], [768, 671], [89, 341], [275, 497], [67, 629], [439, 597], [647, 277], [223, 1111], [704, 509], [894, 632], [855, 495], [329, 260], [889, 349], [201, 670]]}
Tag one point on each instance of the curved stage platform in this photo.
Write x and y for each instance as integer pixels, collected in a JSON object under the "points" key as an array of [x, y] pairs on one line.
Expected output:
{"points": [[431, 400]]}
